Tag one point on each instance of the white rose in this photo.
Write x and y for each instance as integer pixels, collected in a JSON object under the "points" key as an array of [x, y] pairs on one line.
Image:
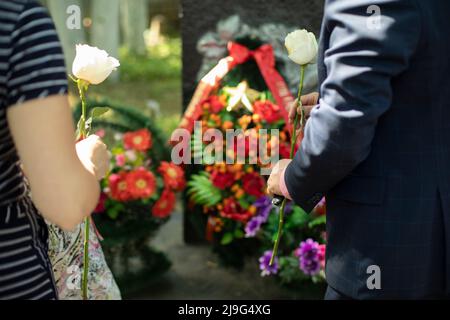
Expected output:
{"points": [[302, 46], [92, 64]]}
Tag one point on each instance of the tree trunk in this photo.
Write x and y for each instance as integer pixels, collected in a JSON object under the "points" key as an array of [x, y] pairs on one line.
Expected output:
{"points": [[68, 16], [135, 21], [105, 28]]}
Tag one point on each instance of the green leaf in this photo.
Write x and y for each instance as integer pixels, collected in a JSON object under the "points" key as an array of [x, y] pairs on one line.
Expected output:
{"points": [[318, 221], [114, 211], [227, 239], [78, 131], [202, 191], [243, 203], [239, 234], [98, 111], [297, 218], [95, 113]]}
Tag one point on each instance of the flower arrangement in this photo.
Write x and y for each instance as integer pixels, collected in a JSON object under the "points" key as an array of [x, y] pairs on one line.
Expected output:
{"points": [[234, 199], [138, 194], [228, 193], [240, 217], [136, 178], [302, 249]]}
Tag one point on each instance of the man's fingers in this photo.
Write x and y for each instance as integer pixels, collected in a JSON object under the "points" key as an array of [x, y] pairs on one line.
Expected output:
{"points": [[292, 111], [310, 99]]}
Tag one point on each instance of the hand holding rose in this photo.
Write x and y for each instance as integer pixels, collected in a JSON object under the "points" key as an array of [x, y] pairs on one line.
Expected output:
{"points": [[308, 102], [93, 154], [273, 184]]}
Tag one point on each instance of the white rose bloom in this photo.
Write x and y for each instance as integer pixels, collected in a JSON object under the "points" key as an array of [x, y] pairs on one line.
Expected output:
{"points": [[92, 64], [302, 46]]}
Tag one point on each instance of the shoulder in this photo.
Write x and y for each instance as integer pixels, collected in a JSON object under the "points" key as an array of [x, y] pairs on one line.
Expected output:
{"points": [[18, 6]]}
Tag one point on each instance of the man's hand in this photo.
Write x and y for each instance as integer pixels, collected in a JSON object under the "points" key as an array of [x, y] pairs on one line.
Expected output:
{"points": [[309, 101], [273, 184]]}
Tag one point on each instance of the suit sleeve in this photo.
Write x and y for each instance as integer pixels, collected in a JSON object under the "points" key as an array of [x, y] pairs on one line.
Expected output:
{"points": [[361, 60]]}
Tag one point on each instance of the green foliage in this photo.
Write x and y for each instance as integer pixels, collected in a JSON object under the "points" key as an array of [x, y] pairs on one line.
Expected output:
{"points": [[122, 119], [289, 270], [227, 238], [297, 219], [155, 263], [320, 220], [202, 191], [161, 62], [96, 112]]}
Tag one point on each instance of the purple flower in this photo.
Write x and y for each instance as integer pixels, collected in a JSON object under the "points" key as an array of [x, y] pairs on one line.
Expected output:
{"points": [[264, 261], [288, 208], [264, 206], [253, 226], [309, 257]]}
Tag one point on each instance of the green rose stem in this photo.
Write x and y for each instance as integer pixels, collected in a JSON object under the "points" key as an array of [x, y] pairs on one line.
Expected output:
{"points": [[299, 117], [82, 88]]}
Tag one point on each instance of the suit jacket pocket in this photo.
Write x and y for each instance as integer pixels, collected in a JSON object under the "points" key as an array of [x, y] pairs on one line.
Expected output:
{"points": [[360, 189]]}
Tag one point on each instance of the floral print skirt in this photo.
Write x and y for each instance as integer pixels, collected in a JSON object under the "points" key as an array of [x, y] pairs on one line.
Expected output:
{"points": [[66, 256]]}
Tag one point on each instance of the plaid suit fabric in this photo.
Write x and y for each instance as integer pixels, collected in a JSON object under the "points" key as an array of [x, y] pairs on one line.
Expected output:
{"points": [[378, 147]]}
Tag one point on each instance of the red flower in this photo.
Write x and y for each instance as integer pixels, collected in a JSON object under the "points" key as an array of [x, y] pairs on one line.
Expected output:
{"points": [[173, 175], [253, 184], [165, 204], [214, 104], [232, 210], [321, 208], [267, 111], [140, 140], [119, 187], [321, 255], [222, 180], [285, 151], [142, 183], [101, 203]]}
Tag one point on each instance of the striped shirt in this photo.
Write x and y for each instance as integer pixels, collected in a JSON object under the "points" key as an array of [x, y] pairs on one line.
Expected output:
{"points": [[31, 67]]}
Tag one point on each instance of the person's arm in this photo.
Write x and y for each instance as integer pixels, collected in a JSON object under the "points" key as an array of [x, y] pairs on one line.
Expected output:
{"points": [[63, 189], [361, 63], [63, 183]]}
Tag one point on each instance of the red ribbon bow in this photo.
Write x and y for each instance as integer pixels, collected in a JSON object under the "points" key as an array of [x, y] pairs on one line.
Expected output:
{"points": [[239, 54], [265, 59]]}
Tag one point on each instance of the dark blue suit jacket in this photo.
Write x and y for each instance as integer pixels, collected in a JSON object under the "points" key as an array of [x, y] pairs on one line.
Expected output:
{"points": [[378, 147]]}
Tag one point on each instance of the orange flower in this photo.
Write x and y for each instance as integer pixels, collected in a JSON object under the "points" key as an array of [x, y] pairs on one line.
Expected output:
{"points": [[165, 204], [214, 104], [227, 125], [119, 187], [256, 118], [140, 140], [244, 121], [142, 183], [173, 175], [239, 194]]}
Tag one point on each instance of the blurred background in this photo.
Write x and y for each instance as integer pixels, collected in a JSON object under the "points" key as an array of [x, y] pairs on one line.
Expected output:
{"points": [[144, 35]]}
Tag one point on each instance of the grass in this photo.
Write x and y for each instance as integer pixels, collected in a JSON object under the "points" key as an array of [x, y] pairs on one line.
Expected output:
{"points": [[154, 78]]}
